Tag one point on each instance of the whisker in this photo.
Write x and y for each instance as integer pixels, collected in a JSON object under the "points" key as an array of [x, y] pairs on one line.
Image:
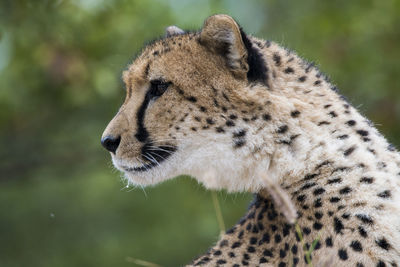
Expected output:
{"points": [[155, 161], [160, 149]]}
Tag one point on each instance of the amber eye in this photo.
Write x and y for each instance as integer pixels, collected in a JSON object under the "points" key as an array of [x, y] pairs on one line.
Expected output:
{"points": [[158, 87]]}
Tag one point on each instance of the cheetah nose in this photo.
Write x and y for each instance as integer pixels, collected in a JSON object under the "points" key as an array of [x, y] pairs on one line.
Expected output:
{"points": [[111, 143]]}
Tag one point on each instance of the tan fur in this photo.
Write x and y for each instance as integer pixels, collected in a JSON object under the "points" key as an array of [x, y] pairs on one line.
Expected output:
{"points": [[337, 170]]}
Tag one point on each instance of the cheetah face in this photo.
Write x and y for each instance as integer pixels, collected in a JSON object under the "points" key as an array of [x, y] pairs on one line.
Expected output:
{"points": [[175, 118]]}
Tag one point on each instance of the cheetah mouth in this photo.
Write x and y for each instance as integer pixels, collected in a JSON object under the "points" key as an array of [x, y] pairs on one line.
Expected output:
{"points": [[153, 156]]}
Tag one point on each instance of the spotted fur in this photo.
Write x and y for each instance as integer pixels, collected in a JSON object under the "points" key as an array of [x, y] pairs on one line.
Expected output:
{"points": [[223, 107]]}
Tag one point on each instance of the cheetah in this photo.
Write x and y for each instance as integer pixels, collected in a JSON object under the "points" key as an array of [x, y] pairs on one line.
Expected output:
{"points": [[244, 114]]}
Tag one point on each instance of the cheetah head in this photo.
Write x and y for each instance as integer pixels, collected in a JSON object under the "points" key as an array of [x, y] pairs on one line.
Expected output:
{"points": [[189, 97]]}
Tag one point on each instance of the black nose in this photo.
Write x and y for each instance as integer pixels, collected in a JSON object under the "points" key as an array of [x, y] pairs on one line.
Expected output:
{"points": [[111, 143]]}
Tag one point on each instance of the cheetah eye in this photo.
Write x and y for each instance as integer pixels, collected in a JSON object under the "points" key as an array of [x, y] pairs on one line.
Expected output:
{"points": [[158, 87]]}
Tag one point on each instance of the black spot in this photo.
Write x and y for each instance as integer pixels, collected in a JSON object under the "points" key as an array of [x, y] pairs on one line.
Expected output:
{"points": [[289, 70], [345, 190], [318, 215], [317, 82], [343, 254], [266, 117], [302, 78], [317, 226], [282, 129], [282, 253], [286, 229], [365, 218], [367, 180], [362, 231], [301, 198], [239, 143], [342, 137], [334, 181], [278, 238], [333, 114], [230, 123], [380, 264], [277, 58], [232, 117], [210, 121], [194, 129], [294, 249], [295, 113], [240, 235], [251, 249], [203, 109], [346, 216], [220, 130], [307, 186], [267, 253], [318, 191], [385, 194], [318, 203], [383, 243], [362, 132], [191, 99], [338, 225], [323, 123], [221, 261], [282, 264], [239, 133], [334, 199], [317, 245], [306, 230], [348, 151], [263, 260], [356, 245], [327, 106], [351, 122], [236, 245], [359, 264], [258, 70], [328, 242], [265, 238], [217, 252]]}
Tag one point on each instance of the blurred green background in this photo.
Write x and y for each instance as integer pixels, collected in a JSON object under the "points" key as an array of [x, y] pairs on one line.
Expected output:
{"points": [[61, 201]]}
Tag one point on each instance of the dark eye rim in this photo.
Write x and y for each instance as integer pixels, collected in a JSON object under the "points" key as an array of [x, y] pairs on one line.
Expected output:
{"points": [[158, 88]]}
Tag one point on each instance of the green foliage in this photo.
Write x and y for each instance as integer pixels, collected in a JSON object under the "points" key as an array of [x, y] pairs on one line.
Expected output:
{"points": [[60, 68]]}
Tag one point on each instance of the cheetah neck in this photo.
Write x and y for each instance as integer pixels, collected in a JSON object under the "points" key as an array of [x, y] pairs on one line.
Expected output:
{"points": [[327, 157]]}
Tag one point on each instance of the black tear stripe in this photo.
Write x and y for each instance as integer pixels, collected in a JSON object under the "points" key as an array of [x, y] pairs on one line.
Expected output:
{"points": [[258, 70], [155, 154], [142, 134]]}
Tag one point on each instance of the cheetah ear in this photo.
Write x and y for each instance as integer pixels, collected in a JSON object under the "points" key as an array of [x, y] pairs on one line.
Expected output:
{"points": [[222, 35], [173, 30]]}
